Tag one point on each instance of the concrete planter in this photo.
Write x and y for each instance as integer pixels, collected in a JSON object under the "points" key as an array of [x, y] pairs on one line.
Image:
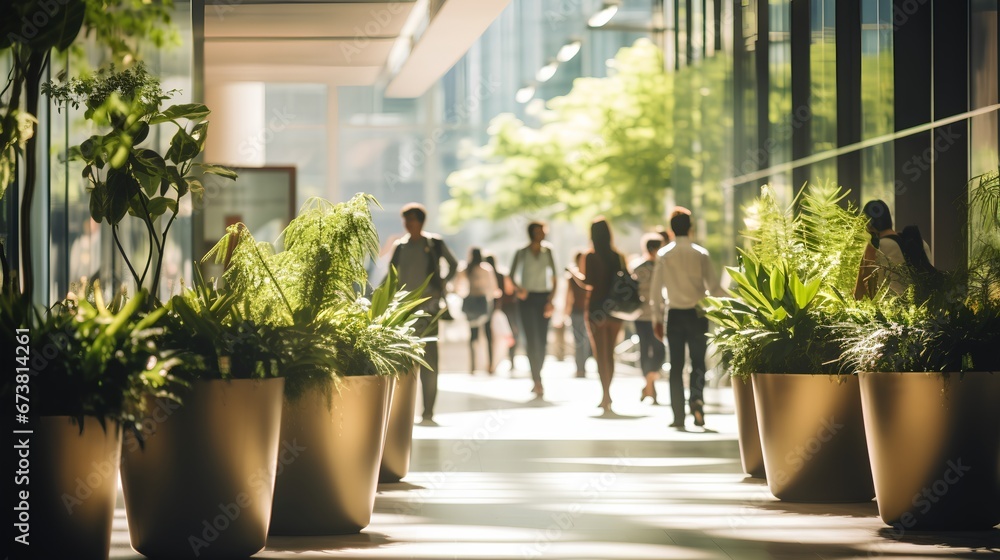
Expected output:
{"points": [[74, 483], [746, 426], [934, 441], [201, 484], [813, 437], [329, 488], [399, 432]]}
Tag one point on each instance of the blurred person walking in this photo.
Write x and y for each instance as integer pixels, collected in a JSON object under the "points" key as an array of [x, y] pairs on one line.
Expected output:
{"points": [[416, 256], [576, 310], [682, 276], [600, 268], [533, 274], [478, 282], [507, 304], [651, 350]]}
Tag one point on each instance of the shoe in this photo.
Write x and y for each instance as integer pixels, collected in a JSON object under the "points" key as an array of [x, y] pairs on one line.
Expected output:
{"points": [[677, 425], [697, 410], [538, 390], [650, 392], [428, 421]]}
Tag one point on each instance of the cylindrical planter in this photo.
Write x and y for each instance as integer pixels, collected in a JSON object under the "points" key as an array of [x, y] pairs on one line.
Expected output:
{"points": [[329, 489], [399, 433], [746, 427], [200, 485], [74, 483], [934, 441], [813, 437]]}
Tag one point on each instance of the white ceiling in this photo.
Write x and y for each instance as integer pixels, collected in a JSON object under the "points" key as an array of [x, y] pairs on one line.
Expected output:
{"points": [[343, 43]]}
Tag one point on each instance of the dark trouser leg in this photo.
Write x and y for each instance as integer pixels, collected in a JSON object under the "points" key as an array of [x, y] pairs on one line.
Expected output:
{"points": [[512, 312], [536, 330], [429, 379], [473, 337], [488, 331], [647, 347], [697, 344], [676, 329]]}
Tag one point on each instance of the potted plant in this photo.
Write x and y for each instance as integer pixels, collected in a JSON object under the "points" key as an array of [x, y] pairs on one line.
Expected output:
{"points": [[775, 330], [201, 484], [91, 369], [337, 411], [124, 176], [930, 383]]}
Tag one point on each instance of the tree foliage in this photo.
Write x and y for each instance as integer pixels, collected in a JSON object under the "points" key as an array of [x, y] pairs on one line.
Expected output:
{"points": [[606, 147]]}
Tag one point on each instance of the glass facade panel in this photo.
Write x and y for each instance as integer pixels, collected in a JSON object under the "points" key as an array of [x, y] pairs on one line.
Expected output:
{"points": [[877, 100], [823, 88], [780, 112]]}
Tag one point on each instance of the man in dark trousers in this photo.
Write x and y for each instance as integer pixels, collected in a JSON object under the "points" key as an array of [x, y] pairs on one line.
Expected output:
{"points": [[416, 256], [682, 276], [534, 276]]}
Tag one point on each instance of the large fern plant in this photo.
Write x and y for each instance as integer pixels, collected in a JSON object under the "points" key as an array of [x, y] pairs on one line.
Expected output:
{"points": [[313, 291], [798, 264]]}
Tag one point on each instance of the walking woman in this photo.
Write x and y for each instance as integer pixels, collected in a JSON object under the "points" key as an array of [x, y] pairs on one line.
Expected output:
{"points": [[576, 310], [599, 271], [481, 281]]}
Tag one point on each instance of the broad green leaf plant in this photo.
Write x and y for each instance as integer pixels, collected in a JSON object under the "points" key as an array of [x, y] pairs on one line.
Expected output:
{"points": [[789, 292], [127, 177], [91, 360]]}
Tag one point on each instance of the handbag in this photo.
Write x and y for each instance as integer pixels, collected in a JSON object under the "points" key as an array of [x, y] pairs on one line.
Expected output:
{"points": [[624, 297]]}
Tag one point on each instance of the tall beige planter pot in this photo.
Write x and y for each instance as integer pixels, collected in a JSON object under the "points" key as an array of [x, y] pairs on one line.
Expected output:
{"points": [[399, 431], [74, 483], [813, 437], [748, 435], [329, 488], [934, 441], [201, 484]]}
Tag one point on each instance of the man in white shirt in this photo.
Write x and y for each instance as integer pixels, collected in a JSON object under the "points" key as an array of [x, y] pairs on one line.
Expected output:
{"points": [[416, 256], [533, 274], [682, 276]]}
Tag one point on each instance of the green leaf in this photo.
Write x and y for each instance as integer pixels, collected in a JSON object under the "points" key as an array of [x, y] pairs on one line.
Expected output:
{"points": [[182, 147], [121, 188], [159, 205], [777, 285], [219, 170], [191, 111], [139, 135], [98, 201], [152, 162]]}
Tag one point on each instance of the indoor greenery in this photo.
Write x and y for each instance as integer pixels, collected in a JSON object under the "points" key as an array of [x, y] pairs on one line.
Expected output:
{"points": [[126, 178], [313, 290], [90, 360], [31, 32], [958, 329], [798, 265]]}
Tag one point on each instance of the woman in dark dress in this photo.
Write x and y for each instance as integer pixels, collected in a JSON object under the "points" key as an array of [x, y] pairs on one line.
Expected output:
{"points": [[600, 268]]}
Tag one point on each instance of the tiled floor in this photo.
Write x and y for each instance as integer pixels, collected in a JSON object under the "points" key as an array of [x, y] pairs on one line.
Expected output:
{"points": [[507, 477]]}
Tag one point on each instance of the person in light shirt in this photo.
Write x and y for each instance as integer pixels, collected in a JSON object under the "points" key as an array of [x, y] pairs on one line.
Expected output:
{"points": [[534, 276], [682, 276]]}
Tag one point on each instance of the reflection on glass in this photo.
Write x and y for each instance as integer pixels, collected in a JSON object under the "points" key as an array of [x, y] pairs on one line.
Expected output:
{"points": [[823, 89], [877, 100]]}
